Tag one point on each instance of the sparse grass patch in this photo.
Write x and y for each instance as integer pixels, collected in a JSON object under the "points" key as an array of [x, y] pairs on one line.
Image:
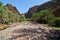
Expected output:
{"points": [[3, 26], [57, 28]]}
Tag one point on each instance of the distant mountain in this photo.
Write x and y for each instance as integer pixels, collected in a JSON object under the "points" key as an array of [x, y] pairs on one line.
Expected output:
{"points": [[12, 8], [48, 5]]}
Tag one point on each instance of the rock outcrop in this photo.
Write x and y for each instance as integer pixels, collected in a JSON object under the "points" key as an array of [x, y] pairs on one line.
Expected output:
{"points": [[56, 12], [12, 8], [48, 5]]}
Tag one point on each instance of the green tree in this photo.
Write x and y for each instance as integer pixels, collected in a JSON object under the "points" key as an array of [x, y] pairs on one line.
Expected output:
{"points": [[44, 16], [6, 16], [57, 22]]}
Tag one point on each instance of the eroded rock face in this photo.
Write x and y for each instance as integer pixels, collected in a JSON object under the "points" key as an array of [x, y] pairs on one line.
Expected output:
{"points": [[56, 12], [48, 5], [12, 8], [29, 31]]}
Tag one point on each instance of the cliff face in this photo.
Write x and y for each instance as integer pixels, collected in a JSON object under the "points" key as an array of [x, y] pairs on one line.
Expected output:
{"points": [[56, 12], [48, 5], [12, 8]]}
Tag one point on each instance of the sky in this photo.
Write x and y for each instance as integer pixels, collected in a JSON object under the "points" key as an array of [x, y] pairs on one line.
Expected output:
{"points": [[23, 5]]}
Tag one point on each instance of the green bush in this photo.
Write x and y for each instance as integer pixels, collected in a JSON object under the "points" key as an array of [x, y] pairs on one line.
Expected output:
{"points": [[6, 16], [44, 16], [21, 18], [28, 19], [51, 22], [57, 22]]}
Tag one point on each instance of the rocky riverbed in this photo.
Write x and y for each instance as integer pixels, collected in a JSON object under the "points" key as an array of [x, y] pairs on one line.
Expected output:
{"points": [[29, 31]]}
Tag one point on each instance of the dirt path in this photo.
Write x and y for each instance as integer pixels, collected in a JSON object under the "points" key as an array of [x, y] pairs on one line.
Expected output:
{"points": [[23, 31]]}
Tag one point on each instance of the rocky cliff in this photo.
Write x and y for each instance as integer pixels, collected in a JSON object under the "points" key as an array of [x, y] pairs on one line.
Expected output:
{"points": [[12, 8], [56, 11], [48, 5]]}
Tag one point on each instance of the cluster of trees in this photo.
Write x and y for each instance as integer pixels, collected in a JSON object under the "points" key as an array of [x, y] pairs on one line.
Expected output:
{"points": [[46, 17], [6, 16]]}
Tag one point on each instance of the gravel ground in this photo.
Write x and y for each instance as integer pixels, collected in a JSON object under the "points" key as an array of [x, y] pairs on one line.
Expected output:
{"points": [[25, 31]]}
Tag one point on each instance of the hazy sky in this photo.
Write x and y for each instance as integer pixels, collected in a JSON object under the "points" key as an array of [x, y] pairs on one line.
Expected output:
{"points": [[23, 5]]}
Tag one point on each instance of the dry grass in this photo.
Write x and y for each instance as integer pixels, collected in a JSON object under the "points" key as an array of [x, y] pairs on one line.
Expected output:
{"points": [[3, 26]]}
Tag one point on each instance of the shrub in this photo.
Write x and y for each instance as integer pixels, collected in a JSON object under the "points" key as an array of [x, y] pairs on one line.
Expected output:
{"points": [[21, 18], [57, 22], [28, 19], [51, 22], [44, 16], [6, 16]]}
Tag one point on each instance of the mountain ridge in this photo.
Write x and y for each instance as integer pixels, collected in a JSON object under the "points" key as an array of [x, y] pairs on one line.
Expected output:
{"points": [[47, 5], [12, 8]]}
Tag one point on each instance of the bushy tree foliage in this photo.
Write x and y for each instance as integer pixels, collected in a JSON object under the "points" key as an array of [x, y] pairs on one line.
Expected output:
{"points": [[44, 16], [56, 22], [6, 16]]}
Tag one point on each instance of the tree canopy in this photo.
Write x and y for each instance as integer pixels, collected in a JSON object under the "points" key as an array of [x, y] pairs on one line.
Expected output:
{"points": [[6, 16]]}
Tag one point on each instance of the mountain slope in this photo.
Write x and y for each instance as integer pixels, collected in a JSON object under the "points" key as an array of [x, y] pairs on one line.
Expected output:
{"points": [[48, 5], [12, 8]]}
